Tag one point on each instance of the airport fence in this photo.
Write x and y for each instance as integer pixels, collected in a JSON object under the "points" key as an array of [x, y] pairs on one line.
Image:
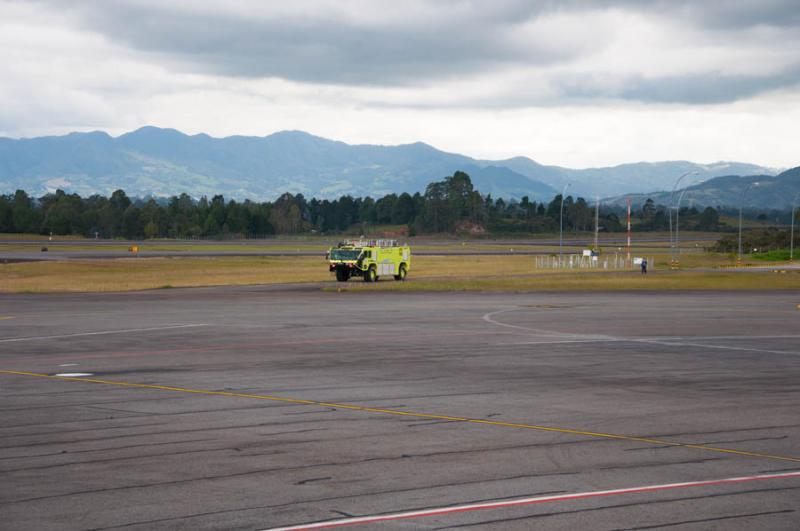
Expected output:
{"points": [[577, 261]]}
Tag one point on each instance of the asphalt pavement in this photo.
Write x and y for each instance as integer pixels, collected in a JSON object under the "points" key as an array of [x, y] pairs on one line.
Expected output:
{"points": [[98, 249], [266, 407], [27, 256]]}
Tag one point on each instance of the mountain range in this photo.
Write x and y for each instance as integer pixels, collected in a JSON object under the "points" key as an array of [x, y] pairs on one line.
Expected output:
{"points": [[163, 162], [780, 192]]}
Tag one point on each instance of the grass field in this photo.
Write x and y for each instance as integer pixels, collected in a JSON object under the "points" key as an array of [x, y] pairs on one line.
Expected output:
{"points": [[149, 273], [780, 255], [428, 273]]}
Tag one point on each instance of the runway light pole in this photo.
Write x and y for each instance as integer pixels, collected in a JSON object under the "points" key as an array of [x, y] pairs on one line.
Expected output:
{"points": [[791, 238], [741, 204], [597, 226], [628, 249], [671, 206], [678, 228], [561, 225]]}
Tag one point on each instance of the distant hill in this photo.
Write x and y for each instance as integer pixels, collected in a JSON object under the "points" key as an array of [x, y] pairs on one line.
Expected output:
{"points": [[771, 192], [629, 178], [163, 162]]}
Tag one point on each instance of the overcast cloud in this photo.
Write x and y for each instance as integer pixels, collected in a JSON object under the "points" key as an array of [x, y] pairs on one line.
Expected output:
{"points": [[575, 83]]}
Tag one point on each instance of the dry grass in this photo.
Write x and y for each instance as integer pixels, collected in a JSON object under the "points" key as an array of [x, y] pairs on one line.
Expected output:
{"points": [[694, 260], [148, 273], [472, 266], [34, 237], [428, 273]]}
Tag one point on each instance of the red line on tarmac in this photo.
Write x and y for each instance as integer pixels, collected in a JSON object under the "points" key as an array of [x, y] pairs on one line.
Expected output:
{"points": [[247, 346], [530, 501]]}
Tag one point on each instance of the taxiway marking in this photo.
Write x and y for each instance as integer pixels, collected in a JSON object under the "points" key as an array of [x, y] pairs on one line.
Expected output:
{"points": [[562, 337], [530, 501], [101, 333], [413, 414]]}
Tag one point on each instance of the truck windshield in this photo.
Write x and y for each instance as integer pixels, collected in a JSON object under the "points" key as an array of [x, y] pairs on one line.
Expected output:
{"points": [[344, 254]]}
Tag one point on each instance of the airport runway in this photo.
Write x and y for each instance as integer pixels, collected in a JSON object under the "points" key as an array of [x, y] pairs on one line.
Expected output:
{"points": [[266, 407], [60, 250], [25, 256]]}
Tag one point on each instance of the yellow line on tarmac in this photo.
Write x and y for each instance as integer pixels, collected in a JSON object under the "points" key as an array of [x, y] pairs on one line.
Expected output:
{"points": [[413, 414], [6, 317]]}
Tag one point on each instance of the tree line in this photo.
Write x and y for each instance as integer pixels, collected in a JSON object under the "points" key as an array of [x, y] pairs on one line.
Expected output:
{"points": [[760, 240], [448, 206]]}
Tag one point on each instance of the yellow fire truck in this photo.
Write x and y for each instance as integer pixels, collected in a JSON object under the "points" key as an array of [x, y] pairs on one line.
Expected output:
{"points": [[370, 259]]}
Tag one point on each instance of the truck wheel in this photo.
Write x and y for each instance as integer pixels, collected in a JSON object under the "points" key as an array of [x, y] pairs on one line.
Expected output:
{"points": [[341, 275], [401, 274], [370, 275]]}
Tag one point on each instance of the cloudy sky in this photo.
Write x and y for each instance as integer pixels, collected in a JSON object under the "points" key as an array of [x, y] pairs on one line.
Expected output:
{"points": [[570, 82]]}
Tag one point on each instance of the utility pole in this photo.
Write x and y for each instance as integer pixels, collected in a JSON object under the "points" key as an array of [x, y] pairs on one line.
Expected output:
{"points": [[791, 238], [671, 208], [676, 260], [561, 226], [597, 225], [629, 230]]}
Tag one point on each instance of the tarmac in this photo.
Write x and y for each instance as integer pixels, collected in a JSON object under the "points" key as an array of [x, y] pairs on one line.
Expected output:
{"points": [[239, 248], [27, 256], [267, 407]]}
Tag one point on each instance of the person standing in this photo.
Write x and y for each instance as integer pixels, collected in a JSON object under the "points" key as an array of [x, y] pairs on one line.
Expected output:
{"points": [[644, 266]]}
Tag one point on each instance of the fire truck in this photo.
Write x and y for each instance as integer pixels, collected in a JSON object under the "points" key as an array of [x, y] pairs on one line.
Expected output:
{"points": [[369, 259]]}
